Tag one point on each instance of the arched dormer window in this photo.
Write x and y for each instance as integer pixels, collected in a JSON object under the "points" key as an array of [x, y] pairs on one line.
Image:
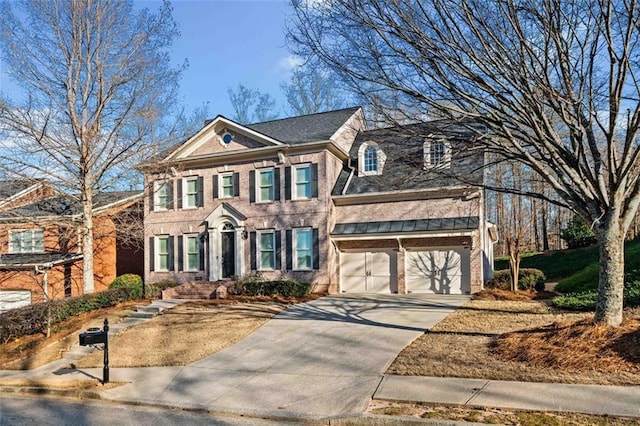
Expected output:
{"points": [[370, 159], [437, 153]]}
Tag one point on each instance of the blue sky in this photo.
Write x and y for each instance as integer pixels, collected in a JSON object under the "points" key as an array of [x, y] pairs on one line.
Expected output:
{"points": [[226, 43]]}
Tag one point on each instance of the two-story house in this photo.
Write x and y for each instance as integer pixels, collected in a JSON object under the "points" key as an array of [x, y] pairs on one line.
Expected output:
{"points": [[40, 253], [320, 199]]}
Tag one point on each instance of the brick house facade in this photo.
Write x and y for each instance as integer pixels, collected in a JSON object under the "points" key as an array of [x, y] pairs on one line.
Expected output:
{"points": [[318, 198], [40, 255]]}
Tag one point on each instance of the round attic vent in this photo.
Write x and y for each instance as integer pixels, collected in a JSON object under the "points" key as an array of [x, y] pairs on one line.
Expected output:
{"points": [[227, 138]]}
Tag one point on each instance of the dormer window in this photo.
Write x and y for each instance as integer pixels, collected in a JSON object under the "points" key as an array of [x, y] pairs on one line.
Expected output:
{"points": [[437, 153], [371, 159]]}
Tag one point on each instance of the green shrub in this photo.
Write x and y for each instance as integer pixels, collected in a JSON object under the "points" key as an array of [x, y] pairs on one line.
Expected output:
{"points": [[132, 281], [527, 278], [577, 234], [586, 300], [286, 288], [32, 319]]}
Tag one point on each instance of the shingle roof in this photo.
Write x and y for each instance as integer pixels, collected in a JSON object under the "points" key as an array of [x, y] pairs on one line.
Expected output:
{"points": [[404, 166], [64, 205], [12, 187], [399, 226], [8, 261], [305, 128]]}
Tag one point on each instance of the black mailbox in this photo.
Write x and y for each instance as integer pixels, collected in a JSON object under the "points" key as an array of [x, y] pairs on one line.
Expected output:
{"points": [[93, 336]]}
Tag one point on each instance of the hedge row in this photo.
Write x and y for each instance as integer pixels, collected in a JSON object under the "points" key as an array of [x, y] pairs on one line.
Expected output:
{"points": [[285, 288], [586, 300], [527, 278], [32, 319]]}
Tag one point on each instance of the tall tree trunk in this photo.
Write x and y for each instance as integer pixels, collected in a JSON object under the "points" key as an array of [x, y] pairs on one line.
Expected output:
{"points": [[87, 242], [545, 231], [513, 244], [611, 282]]}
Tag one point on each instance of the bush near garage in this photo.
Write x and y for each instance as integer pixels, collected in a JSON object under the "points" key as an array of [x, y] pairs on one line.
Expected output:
{"points": [[286, 288], [34, 318], [528, 278]]}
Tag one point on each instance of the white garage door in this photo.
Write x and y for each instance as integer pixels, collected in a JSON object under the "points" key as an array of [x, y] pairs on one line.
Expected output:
{"points": [[440, 271], [367, 272], [11, 299]]}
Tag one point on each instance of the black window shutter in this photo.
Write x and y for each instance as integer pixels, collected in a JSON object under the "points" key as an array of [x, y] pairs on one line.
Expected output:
{"points": [[236, 184], [278, 249], [152, 260], [252, 186], [316, 248], [171, 251], [201, 242], [179, 193], [289, 249], [276, 184], [151, 198], [180, 253], [314, 180], [200, 192], [170, 191], [252, 246], [215, 186], [287, 183]]}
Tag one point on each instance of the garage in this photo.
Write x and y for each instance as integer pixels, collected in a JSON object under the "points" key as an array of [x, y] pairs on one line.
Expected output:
{"points": [[12, 299], [438, 271], [368, 272]]}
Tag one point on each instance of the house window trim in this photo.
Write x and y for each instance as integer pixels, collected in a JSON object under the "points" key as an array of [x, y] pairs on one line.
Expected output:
{"points": [[156, 260], [156, 195], [221, 186], [185, 196], [10, 245], [446, 161], [185, 246], [259, 250], [294, 251], [381, 158], [294, 181], [259, 187]]}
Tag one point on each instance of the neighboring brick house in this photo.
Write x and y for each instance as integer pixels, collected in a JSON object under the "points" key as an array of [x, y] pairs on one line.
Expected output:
{"points": [[318, 198], [39, 243]]}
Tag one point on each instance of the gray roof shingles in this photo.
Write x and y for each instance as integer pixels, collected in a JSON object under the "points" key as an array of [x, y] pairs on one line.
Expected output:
{"points": [[29, 259], [9, 188]]}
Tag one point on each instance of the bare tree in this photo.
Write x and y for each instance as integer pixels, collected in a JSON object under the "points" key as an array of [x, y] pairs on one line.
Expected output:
{"points": [[312, 89], [99, 88], [250, 105], [555, 83]]}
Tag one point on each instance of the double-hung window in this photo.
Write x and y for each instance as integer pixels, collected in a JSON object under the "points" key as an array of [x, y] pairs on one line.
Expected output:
{"points": [[163, 253], [266, 250], [226, 185], [265, 185], [26, 241], [303, 248], [163, 195], [302, 182], [191, 193], [192, 252]]}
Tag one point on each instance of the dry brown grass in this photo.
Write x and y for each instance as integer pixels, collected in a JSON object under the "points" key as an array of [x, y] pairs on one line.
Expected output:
{"points": [[463, 345], [494, 415], [185, 334]]}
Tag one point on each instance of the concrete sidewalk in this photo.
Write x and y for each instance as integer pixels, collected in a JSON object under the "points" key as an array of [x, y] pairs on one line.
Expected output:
{"points": [[588, 399]]}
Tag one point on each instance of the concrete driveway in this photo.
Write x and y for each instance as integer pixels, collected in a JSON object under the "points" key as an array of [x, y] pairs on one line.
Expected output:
{"points": [[317, 359]]}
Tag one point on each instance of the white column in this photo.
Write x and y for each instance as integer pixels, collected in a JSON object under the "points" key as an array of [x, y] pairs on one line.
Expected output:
{"points": [[214, 261]]}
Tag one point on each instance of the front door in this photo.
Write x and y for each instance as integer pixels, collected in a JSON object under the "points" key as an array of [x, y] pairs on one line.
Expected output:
{"points": [[228, 251]]}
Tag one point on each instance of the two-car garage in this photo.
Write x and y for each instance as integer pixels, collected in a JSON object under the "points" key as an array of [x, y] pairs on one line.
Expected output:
{"points": [[444, 270]]}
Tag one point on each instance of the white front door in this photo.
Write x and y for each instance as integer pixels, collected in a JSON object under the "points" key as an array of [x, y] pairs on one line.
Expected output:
{"points": [[440, 271], [367, 272]]}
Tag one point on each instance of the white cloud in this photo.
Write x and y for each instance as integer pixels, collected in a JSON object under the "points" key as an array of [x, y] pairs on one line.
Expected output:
{"points": [[290, 62]]}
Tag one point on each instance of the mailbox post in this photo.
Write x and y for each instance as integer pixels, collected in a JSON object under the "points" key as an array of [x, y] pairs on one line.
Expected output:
{"points": [[94, 336]]}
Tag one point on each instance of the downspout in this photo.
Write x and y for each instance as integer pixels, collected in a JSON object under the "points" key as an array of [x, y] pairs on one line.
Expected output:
{"points": [[346, 185]]}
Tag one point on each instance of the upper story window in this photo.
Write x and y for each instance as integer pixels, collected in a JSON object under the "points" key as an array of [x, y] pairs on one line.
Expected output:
{"points": [[226, 185], [26, 241], [437, 153], [302, 182], [190, 192], [163, 196], [265, 185], [371, 159]]}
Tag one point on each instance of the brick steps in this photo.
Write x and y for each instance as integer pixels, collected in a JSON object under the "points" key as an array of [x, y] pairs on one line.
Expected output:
{"points": [[196, 290]]}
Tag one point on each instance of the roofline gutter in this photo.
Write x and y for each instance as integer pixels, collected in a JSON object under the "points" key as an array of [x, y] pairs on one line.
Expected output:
{"points": [[399, 235], [405, 194]]}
